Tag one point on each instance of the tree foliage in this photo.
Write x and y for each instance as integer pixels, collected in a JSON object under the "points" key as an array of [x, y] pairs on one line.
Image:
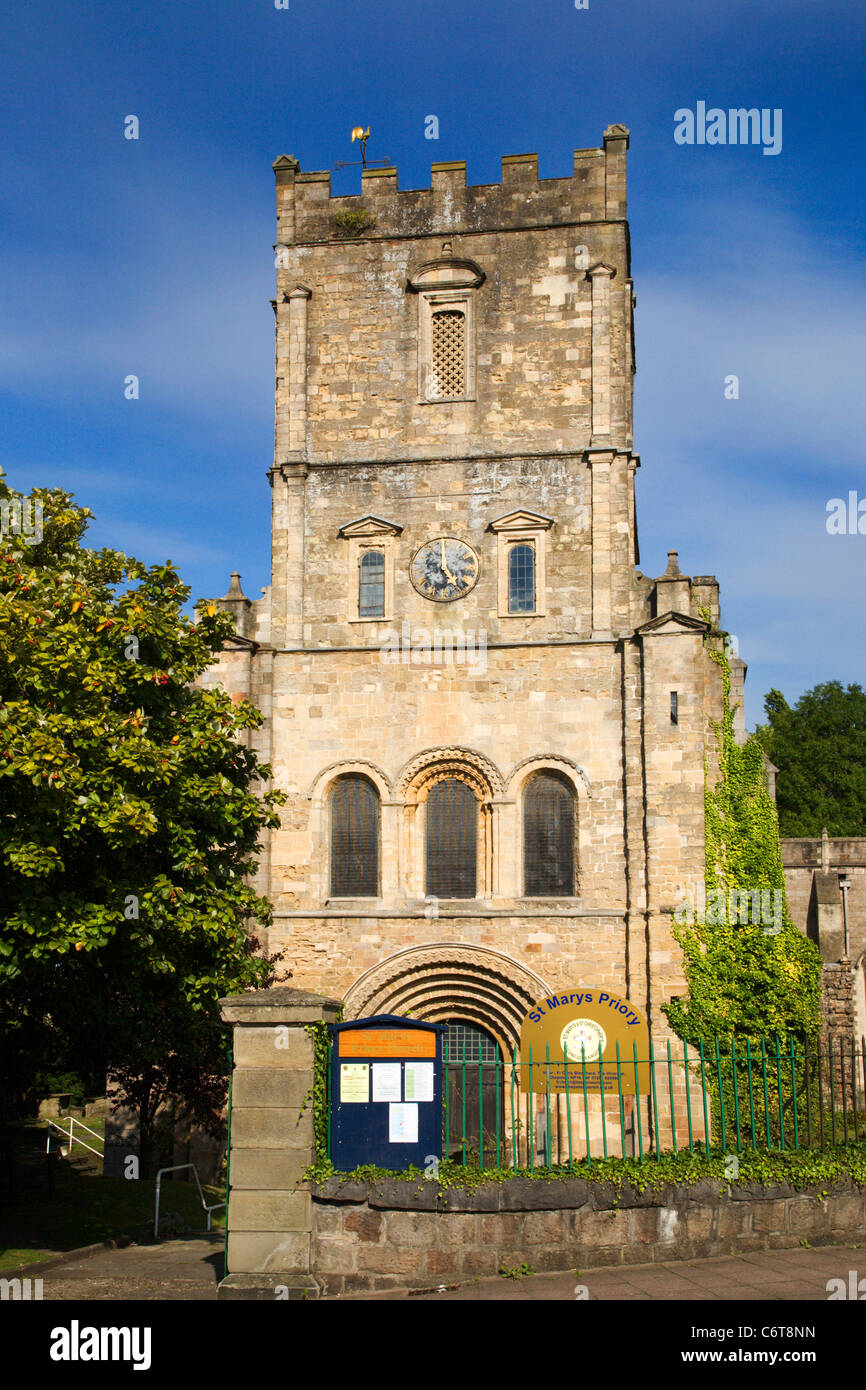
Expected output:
{"points": [[819, 747], [129, 819], [755, 979]]}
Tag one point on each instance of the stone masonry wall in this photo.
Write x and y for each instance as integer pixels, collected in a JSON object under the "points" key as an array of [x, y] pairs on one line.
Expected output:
{"points": [[461, 498], [582, 686], [391, 1235], [535, 241], [801, 857]]}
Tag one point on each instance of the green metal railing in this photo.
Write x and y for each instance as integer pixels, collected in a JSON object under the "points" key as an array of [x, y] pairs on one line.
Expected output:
{"points": [[723, 1094]]}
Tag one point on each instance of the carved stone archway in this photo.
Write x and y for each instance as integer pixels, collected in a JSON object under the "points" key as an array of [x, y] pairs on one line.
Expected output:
{"points": [[449, 980], [480, 772], [515, 787], [540, 761], [413, 786]]}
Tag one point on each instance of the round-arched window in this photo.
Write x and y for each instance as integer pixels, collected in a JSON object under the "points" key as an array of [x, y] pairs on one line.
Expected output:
{"points": [[354, 838], [452, 840], [548, 836]]}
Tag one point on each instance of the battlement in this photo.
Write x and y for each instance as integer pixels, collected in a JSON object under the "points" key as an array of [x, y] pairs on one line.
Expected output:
{"points": [[596, 191]]}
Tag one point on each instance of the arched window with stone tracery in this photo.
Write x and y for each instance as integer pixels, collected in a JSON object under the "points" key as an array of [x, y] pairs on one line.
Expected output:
{"points": [[448, 838]]}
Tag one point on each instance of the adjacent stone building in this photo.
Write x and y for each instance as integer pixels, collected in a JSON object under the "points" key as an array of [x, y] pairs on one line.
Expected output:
{"points": [[491, 726], [825, 884]]}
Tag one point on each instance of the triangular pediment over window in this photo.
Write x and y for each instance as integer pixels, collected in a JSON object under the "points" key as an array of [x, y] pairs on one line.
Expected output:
{"points": [[370, 526], [673, 622], [521, 521]]}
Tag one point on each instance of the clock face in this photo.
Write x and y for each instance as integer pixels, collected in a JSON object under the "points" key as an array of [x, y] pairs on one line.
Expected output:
{"points": [[444, 569]]}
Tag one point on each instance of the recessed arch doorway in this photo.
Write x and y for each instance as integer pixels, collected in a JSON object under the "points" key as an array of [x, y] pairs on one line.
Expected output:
{"points": [[483, 997], [474, 1090]]}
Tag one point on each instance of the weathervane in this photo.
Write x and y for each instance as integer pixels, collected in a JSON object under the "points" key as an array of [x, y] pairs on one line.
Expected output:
{"points": [[362, 136]]}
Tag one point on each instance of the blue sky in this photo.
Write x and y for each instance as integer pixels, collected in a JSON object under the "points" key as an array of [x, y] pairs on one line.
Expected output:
{"points": [[154, 257]]}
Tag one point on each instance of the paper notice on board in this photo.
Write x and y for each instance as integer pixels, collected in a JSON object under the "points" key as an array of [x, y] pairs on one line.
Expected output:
{"points": [[403, 1124], [419, 1080], [386, 1081], [355, 1082]]}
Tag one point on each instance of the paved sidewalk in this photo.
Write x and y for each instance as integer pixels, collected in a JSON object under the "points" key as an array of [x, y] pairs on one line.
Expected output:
{"points": [[764, 1276], [191, 1269], [173, 1270]]}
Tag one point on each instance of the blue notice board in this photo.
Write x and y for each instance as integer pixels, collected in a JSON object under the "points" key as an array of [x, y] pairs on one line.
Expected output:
{"points": [[386, 1092]]}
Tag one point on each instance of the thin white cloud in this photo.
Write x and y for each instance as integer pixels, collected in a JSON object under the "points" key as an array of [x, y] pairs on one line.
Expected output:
{"points": [[154, 543], [165, 287], [740, 487], [789, 590], [784, 313]]}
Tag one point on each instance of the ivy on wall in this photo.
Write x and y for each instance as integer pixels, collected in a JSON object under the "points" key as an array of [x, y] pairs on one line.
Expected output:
{"points": [[753, 979], [317, 1096], [801, 1169]]}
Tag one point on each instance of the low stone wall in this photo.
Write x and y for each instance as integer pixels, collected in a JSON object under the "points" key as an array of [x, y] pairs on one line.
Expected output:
{"points": [[386, 1235], [54, 1106]]}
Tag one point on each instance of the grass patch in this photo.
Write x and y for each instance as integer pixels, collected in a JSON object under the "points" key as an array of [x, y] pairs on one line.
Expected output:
{"points": [[88, 1208], [11, 1258], [80, 1149]]}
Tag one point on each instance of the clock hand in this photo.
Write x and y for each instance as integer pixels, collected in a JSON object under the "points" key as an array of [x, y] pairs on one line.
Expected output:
{"points": [[445, 570]]}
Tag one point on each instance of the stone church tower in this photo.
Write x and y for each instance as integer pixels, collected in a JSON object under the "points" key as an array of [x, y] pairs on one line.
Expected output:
{"points": [[491, 726]]}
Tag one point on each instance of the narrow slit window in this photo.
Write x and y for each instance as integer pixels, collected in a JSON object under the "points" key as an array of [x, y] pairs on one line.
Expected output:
{"points": [[448, 368], [548, 836], [354, 838], [521, 579], [371, 596], [675, 707], [452, 839]]}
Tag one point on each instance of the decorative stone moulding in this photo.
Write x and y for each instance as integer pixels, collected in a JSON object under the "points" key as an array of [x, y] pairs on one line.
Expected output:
{"points": [[541, 761], [446, 272], [449, 980], [369, 526], [433, 763], [521, 520], [328, 774]]}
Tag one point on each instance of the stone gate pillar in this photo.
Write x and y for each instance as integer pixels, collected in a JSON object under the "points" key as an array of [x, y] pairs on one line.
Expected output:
{"points": [[271, 1143]]}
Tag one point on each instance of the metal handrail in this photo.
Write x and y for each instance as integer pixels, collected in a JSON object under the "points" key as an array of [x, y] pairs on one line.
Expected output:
{"points": [[176, 1168], [71, 1136]]}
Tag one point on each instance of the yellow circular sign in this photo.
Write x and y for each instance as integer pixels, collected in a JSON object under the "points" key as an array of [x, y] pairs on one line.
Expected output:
{"points": [[560, 1039], [582, 1033]]}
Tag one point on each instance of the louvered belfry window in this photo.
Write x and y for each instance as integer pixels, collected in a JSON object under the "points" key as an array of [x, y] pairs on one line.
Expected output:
{"points": [[452, 839], [449, 354], [548, 836], [354, 838]]}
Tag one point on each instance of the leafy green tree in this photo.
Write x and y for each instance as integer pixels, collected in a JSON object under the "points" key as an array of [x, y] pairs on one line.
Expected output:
{"points": [[756, 978], [819, 747], [130, 812]]}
